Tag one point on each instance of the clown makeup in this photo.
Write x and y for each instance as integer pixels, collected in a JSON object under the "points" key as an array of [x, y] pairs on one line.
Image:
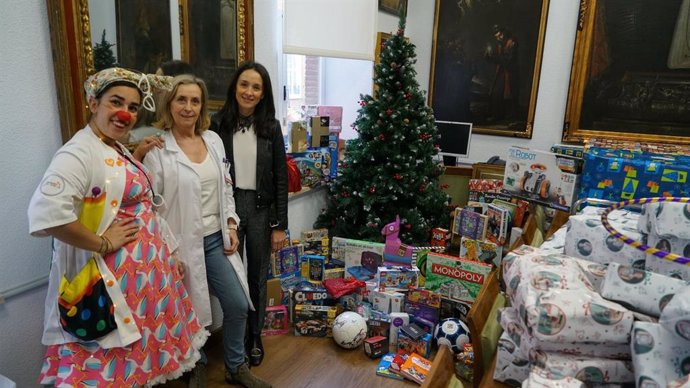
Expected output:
{"points": [[115, 112]]}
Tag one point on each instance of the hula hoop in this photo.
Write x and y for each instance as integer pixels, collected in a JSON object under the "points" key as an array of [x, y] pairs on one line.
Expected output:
{"points": [[636, 244]]}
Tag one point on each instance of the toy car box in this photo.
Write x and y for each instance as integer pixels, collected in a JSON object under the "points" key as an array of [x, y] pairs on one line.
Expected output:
{"points": [[541, 177], [314, 321]]}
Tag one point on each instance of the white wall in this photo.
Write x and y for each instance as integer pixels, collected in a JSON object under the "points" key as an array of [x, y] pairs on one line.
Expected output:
{"points": [[30, 135]]}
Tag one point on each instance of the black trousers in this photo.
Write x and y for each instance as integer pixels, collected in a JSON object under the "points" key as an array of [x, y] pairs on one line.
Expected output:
{"points": [[254, 234]]}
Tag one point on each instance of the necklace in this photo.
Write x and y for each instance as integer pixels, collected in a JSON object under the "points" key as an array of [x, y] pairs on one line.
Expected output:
{"points": [[244, 123]]}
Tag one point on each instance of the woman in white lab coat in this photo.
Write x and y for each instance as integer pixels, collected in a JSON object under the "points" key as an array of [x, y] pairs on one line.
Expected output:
{"points": [[97, 201], [192, 175]]}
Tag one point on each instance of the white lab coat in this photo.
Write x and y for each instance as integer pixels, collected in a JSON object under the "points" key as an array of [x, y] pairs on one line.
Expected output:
{"points": [[79, 166], [176, 180]]}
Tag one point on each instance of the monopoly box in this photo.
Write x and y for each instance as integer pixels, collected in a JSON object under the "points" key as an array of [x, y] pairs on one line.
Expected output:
{"points": [[541, 177], [455, 278]]}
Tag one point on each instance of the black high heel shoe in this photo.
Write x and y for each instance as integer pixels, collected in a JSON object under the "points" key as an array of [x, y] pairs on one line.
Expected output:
{"points": [[256, 354]]}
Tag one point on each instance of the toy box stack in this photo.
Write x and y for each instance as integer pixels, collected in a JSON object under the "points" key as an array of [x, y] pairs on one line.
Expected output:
{"points": [[541, 177]]}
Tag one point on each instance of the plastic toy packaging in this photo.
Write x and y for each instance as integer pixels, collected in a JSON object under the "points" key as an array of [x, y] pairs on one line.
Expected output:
{"points": [[465, 362]]}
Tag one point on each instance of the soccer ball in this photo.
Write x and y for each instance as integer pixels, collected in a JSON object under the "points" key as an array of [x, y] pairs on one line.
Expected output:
{"points": [[453, 333], [349, 330]]}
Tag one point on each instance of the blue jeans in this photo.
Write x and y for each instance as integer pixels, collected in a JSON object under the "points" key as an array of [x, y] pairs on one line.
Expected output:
{"points": [[224, 284]]}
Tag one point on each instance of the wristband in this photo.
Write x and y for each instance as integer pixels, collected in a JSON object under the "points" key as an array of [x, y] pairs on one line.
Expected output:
{"points": [[232, 226]]}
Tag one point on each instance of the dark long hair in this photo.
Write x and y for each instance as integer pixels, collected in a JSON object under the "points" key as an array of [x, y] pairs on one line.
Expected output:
{"points": [[265, 111]]}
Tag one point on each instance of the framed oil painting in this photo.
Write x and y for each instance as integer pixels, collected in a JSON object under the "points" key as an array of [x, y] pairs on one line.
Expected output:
{"points": [[216, 38], [488, 171], [486, 61], [393, 7], [631, 72], [143, 34]]}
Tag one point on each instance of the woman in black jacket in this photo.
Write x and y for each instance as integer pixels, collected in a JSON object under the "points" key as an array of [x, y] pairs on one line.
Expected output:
{"points": [[255, 151]]}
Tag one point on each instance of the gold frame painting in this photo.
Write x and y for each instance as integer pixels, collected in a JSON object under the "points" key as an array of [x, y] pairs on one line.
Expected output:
{"points": [[488, 171], [628, 80], [213, 58], [70, 38], [485, 64], [393, 7], [381, 38]]}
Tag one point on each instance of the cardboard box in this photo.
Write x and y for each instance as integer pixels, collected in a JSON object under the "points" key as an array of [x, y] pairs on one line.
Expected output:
{"points": [[298, 137], [361, 258], [539, 176], [455, 278], [276, 321], [335, 114], [314, 321], [274, 293], [319, 131], [375, 347], [397, 278]]}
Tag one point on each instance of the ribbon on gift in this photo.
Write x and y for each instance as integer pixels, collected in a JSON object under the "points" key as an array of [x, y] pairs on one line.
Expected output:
{"points": [[636, 244]]}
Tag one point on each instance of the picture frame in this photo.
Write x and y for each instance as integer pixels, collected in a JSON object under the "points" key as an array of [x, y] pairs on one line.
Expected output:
{"points": [[629, 74], [393, 7], [381, 38], [143, 34], [486, 62], [213, 44], [488, 171]]}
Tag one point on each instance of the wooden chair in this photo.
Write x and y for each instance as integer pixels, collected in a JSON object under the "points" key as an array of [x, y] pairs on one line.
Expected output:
{"points": [[476, 320], [442, 374]]}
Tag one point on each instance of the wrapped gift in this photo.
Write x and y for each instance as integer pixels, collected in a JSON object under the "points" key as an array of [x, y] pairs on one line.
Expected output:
{"points": [[668, 267], [621, 174], [539, 378], [659, 355], [590, 370], [588, 239], [512, 367], [625, 285]]}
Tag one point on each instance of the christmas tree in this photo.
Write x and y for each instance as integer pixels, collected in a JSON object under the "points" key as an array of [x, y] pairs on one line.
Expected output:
{"points": [[103, 57], [390, 169]]}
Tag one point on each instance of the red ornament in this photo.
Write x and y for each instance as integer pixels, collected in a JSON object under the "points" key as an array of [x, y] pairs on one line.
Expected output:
{"points": [[372, 189], [382, 137], [344, 194], [408, 226], [397, 176], [408, 96], [444, 186], [401, 31], [362, 103], [389, 111], [422, 187], [425, 136]]}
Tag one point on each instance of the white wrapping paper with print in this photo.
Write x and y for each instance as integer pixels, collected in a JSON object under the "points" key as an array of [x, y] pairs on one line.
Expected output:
{"points": [[543, 270], [539, 378], [639, 290], [660, 356], [555, 243], [667, 267], [588, 239], [520, 336], [667, 219], [683, 382], [564, 316], [676, 316], [512, 367], [590, 370]]}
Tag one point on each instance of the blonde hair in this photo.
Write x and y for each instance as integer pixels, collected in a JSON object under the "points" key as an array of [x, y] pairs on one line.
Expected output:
{"points": [[164, 118]]}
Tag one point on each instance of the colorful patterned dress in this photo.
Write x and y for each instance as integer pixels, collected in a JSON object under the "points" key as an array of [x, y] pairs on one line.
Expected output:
{"points": [[171, 334]]}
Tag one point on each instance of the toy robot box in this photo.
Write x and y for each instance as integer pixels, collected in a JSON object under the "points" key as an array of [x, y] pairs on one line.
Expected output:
{"points": [[314, 321], [540, 177]]}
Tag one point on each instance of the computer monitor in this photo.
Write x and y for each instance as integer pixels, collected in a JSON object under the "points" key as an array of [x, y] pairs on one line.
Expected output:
{"points": [[455, 140]]}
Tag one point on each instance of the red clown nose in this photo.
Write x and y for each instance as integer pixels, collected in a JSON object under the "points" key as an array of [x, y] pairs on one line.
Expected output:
{"points": [[124, 116]]}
